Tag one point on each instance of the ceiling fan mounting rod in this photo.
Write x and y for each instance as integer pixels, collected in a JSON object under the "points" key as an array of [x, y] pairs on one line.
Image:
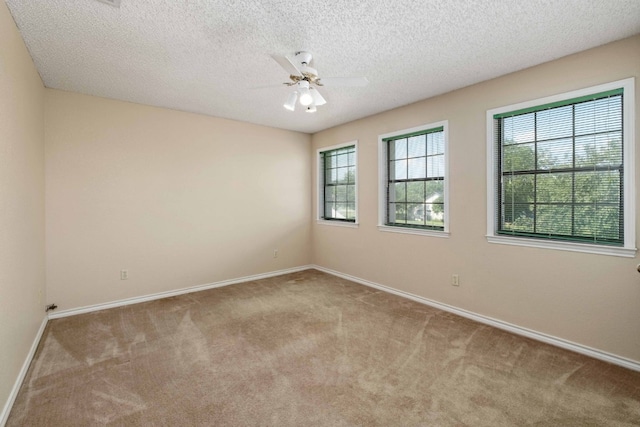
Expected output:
{"points": [[303, 57]]}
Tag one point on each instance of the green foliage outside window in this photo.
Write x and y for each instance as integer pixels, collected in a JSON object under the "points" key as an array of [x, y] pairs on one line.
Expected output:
{"points": [[415, 180], [339, 186], [569, 185]]}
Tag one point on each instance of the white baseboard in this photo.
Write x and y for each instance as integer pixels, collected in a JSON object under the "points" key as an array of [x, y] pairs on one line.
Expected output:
{"points": [[4, 415], [160, 295], [538, 336]]}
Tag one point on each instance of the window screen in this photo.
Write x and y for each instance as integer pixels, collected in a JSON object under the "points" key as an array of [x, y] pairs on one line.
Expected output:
{"points": [[339, 184], [415, 180], [560, 170]]}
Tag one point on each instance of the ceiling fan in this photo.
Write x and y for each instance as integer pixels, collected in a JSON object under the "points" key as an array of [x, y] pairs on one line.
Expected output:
{"points": [[305, 80]]}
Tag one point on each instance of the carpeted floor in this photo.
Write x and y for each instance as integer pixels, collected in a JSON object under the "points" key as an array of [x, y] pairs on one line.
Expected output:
{"points": [[309, 349]]}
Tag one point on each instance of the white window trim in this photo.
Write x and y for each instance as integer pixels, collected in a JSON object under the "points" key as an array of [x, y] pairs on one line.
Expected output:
{"points": [[382, 182], [628, 118], [320, 190]]}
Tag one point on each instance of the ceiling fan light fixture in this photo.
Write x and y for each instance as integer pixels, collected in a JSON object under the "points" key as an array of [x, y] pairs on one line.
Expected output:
{"points": [[318, 100], [305, 94], [305, 98], [304, 78], [291, 101]]}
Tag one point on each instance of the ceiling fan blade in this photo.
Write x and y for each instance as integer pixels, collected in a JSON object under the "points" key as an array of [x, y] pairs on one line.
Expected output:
{"points": [[288, 65], [269, 86], [344, 81], [317, 98]]}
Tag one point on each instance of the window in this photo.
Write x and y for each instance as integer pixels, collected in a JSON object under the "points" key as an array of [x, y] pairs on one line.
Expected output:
{"points": [[337, 202], [562, 171], [413, 188]]}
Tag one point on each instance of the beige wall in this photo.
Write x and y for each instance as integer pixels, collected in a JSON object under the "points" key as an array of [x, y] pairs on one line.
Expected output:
{"points": [[593, 300], [181, 200], [178, 199], [22, 277]]}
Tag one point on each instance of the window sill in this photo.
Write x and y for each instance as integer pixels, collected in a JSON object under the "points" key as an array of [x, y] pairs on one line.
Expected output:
{"points": [[564, 246], [416, 231], [337, 223]]}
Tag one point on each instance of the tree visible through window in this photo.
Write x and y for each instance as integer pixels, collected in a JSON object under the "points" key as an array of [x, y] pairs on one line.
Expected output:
{"points": [[338, 199], [415, 179], [560, 170]]}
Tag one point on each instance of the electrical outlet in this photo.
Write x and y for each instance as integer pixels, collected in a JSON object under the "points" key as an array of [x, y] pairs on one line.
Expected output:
{"points": [[275, 253], [124, 274], [455, 280]]}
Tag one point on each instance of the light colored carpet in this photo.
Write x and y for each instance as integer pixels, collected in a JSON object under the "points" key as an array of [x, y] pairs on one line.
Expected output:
{"points": [[309, 349]]}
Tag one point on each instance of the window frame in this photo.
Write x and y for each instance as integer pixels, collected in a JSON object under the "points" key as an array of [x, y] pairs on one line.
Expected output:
{"points": [[321, 183], [383, 179], [628, 249]]}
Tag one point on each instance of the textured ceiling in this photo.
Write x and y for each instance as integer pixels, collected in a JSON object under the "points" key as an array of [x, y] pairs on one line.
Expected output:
{"points": [[214, 56]]}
